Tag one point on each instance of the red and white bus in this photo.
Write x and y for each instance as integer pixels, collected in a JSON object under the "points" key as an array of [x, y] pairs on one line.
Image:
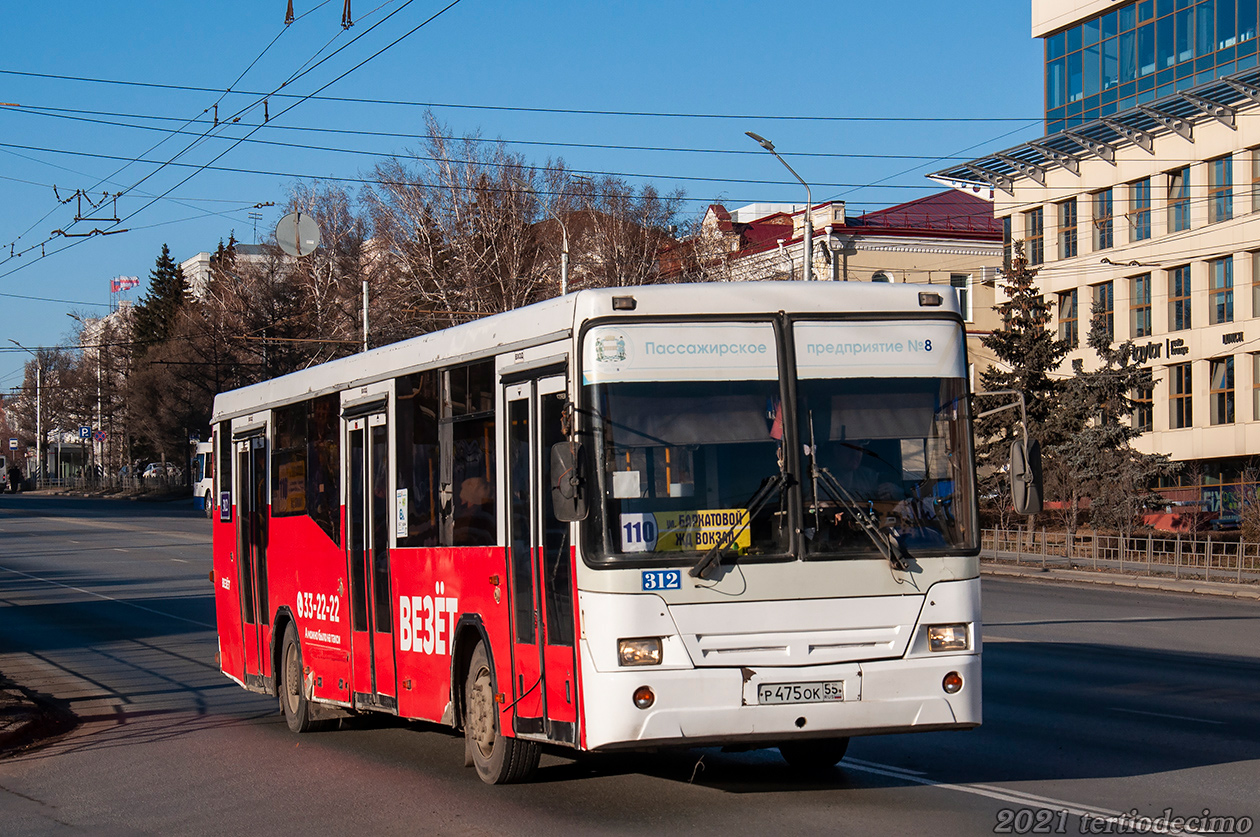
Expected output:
{"points": [[679, 515]]}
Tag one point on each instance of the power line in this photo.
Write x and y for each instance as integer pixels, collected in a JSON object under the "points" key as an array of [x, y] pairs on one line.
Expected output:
{"points": [[524, 109], [83, 115], [645, 176], [293, 77]]}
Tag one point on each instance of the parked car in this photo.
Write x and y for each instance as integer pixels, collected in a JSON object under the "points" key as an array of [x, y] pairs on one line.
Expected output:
{"points": [[158, 469]]}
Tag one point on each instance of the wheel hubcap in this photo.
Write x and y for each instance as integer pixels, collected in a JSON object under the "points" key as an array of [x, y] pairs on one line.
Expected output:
{"points": [[292, 679], [481, 714]]}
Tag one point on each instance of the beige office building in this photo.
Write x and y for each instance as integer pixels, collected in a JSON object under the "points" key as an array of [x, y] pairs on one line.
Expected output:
{"points": [[1144, 194]]}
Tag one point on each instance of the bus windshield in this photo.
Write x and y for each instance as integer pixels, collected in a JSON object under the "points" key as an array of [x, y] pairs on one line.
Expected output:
{"points": [[690, 421], [895, 451], [688, 426], [883, 420]]}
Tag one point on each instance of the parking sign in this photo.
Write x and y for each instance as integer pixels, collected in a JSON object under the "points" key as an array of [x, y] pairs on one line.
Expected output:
{"points": [[84, 431]]}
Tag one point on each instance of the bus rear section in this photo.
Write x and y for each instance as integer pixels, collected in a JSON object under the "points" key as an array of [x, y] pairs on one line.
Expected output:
{"points": [[656, 517]]}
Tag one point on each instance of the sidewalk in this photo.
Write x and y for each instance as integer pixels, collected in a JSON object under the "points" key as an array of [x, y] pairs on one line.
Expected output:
{"points": [[1167, 585]]}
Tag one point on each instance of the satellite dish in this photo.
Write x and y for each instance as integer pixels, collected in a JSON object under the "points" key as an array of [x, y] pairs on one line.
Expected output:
{"points": [[297, 234]]}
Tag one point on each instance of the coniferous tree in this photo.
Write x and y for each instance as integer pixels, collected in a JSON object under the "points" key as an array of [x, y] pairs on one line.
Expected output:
{"points": [[156, 314], [1026, 352], [1096, 459]]}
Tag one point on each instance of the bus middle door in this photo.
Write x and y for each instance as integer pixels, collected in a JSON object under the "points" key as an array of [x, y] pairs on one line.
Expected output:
{"points": [[540, 558], [372, 678]]}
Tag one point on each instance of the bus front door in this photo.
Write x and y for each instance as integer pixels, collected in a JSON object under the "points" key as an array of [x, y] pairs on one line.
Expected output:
{"points": [[540, 558], [367, 551], [251, 543]]}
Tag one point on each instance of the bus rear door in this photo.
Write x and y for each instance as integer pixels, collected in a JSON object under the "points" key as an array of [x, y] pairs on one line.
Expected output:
{"points": [[251, 542], [540, 558]]}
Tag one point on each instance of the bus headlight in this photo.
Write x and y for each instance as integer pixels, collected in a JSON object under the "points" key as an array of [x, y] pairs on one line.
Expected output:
{"points": [[643, 651], [947, 638]]}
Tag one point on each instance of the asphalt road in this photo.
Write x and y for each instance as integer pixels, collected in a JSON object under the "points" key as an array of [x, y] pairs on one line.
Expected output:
{"points": [[1096, 701]]}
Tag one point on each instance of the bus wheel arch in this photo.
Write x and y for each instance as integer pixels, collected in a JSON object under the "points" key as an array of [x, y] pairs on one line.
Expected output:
{"points": [[469, 632], [279, 624]]}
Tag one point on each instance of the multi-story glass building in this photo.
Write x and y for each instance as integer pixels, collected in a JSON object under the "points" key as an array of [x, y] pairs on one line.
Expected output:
{"points": [[1129, 54], [1143, 196]]}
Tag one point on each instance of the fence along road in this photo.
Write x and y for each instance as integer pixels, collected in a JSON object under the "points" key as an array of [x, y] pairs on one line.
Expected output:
{"points": [[1176, 557]]}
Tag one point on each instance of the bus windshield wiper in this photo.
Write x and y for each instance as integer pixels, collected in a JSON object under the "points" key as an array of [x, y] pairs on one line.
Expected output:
{"points": [[885, 540], [711, 560]]}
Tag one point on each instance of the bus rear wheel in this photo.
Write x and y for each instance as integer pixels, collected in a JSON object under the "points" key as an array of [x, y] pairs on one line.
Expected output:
{"points": [[296, 708], [814, 753], [498, 760]]}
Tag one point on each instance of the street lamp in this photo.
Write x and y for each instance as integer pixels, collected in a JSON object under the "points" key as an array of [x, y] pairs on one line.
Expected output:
{"points": [[809, 205], [39, 427]]}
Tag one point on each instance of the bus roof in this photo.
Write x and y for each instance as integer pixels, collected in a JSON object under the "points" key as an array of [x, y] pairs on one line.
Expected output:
{"points": [[555, 319]]}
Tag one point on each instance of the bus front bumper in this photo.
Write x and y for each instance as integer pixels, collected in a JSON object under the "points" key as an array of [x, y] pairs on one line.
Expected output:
{"points": [[711, 706]]}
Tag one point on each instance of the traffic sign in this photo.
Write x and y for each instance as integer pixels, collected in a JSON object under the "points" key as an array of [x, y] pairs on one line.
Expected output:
{"points": [[12, 444], [85, 432], [99, 435]]}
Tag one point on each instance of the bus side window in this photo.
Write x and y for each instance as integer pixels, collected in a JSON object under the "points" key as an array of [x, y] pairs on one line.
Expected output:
{"points": [[469, 412], [323, 465], [419, 466]]}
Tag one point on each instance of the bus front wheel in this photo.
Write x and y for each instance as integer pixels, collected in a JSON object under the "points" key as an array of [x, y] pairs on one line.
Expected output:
{"points": [[498, 760], [814, 753], [296, 708], [209, 505]]}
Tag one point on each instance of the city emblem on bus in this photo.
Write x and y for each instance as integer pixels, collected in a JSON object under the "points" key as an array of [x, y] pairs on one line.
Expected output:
{"points": [[610, 348]]}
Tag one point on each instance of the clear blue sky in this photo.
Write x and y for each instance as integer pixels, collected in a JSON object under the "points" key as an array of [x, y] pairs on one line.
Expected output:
{"points": [[785, 71]]}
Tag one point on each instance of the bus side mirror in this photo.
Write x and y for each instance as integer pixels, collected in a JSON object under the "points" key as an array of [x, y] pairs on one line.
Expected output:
{"points": [[1026, 476], [568, 482]]}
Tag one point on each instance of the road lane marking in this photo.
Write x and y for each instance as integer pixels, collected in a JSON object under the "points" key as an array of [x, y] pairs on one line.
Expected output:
{"points": [[989, 791], [107, 598], [180, 560], [1163, 715]]}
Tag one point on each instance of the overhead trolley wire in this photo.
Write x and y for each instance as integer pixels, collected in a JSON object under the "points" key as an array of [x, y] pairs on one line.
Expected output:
{"points": [[527, 109]]}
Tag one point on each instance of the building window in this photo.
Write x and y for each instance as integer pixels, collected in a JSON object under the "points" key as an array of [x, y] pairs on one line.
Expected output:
{"points": [[1104, 306], [1140, 305], [1067, 228], [1180, 414], [1144, 403], [1068, 328], [1255, 283], [1104, 233], [1255, 386], [1179, 200], [1221, 290], [1006, 245], [1034, 234], [1222, 390], [1140, 210], [1255, 180], [962, 283], [1179, 298], [1220, 189]]}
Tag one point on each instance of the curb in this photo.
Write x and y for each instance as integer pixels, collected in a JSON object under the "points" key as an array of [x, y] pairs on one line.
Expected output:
{"points": [[1201, 588]]}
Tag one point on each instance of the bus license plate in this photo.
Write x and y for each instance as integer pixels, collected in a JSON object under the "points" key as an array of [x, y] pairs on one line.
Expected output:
{"points": [[823, 692]]}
